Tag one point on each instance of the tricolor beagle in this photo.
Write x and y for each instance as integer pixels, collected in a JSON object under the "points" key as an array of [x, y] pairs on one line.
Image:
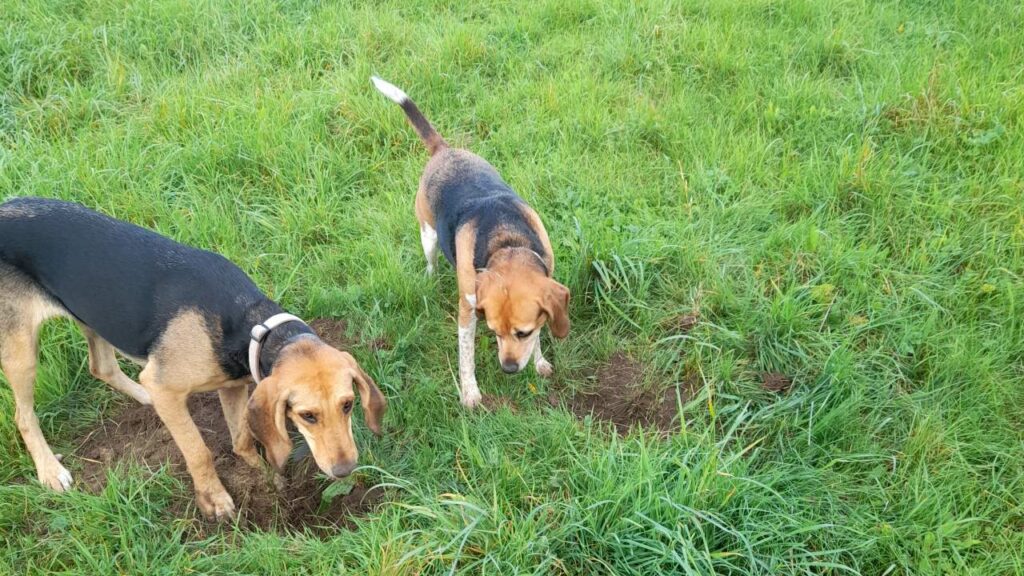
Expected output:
{"points": [[193, 320], [499, 247]]}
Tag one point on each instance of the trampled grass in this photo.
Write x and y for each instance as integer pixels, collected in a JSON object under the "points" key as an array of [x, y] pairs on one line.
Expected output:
{"points": [[835, 186]]}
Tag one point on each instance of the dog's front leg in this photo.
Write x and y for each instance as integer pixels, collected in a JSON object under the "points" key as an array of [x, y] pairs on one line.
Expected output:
{"points": [[213, 500], [233, 399], [543, 367], [469, 393]]}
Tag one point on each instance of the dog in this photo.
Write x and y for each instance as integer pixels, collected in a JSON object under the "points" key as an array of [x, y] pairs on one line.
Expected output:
{"points": [[193, 320], [499, 247]]}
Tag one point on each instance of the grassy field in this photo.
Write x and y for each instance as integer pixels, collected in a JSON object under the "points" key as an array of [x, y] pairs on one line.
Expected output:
{"points": [[832, 189]]}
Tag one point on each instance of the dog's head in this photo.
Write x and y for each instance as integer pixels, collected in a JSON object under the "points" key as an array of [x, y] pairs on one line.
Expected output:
{"points": [[313, 385], [516, 302]]}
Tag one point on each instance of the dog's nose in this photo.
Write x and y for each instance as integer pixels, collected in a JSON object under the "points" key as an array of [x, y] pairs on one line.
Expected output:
{"points": [[510, 366], [342, 470]]}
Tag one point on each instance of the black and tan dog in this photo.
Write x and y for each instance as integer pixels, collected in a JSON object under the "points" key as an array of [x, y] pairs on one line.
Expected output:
{"points": [[499, 247], [193, 320]]}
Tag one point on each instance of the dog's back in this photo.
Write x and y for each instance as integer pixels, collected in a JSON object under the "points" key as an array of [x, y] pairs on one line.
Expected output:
{"points": [[462, 188], [123, 281]]}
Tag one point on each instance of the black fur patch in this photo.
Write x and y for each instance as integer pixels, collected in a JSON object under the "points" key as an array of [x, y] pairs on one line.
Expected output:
{"points": [[126, 282], [472, 193]]}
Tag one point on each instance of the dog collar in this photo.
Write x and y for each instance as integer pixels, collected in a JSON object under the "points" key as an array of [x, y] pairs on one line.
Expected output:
{"points": [[543, 264], [258, 335]]}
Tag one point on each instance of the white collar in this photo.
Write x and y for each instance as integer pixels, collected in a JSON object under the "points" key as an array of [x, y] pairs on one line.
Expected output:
{"points": [[259, 334]]}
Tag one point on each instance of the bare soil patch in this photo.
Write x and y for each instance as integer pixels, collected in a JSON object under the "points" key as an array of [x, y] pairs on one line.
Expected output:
{"points": [[332, 331], [137, 435], [494, 403], [776, 382], [682, 323], [617, 395]]}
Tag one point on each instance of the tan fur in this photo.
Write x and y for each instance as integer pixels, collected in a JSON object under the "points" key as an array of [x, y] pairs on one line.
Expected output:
{"points": [[542, 232], [513, 294], [23, 310], [184, 361], [104, 367], [19, 351], [313, 378]]}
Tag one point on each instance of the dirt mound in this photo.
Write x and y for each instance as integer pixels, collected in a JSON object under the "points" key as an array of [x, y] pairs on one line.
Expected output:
{"points": [[332, 331], [137, 435], [494, 403], [618, 396], [776, 382]]}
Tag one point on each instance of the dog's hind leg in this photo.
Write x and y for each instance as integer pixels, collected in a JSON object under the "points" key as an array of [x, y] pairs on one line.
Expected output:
{"points": [[103, 365], [19, 349], [428, 237]]}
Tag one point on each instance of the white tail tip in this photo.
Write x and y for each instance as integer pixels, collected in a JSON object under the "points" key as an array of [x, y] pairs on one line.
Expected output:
{"points": [[394, 93]]}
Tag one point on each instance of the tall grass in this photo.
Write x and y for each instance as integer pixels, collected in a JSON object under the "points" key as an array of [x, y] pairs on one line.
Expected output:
{"points": [[834, 186]]}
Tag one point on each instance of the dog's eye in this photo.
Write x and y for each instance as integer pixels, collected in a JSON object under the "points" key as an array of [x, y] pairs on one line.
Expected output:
{"points": [[308, 417], [523, 334], [347, 407]]}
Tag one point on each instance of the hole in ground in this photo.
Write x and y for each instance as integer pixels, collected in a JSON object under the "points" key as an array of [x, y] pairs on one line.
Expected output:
{"points": [[137, 435], [618, 396]]}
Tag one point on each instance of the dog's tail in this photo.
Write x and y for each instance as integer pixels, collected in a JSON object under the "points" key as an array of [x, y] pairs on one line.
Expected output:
{"points": [[430, 137]]}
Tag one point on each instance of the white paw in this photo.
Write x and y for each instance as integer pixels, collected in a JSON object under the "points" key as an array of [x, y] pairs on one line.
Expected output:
{"points": [[430, 269], [216, 505], [544, 368], [471, 397], [56, 477]]}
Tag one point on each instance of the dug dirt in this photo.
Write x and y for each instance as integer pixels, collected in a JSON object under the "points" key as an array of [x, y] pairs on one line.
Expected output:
{"points": [[616, 393], [136, 435]]}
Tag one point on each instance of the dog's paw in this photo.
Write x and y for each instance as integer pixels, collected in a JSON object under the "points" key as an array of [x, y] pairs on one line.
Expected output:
{"points": [[56, 477], [471, 398], [544, 368], [216, 505], [250, 457]]}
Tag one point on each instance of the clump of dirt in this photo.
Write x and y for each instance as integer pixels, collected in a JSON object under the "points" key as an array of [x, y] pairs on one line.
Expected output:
{"points": [[494, 403], [332, 331], [776, 382], [682, 324], [380, 343], [618, 396], [137, 435]]}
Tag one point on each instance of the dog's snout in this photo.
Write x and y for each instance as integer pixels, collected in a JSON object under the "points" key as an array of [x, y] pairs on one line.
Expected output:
{"points": [[510, 366], [343, 469]]}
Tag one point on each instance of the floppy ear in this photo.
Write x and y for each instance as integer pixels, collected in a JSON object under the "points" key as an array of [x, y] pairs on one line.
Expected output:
{"points": [[485, 281], [374, 404], [266, 419], [556, 305]]}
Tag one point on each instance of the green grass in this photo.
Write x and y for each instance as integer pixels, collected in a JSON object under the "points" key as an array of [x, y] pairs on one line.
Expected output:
{"points": [[836, 185]]}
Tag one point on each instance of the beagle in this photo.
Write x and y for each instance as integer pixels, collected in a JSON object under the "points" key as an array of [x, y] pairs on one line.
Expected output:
{"points": [[193, 320], [499, 247]]}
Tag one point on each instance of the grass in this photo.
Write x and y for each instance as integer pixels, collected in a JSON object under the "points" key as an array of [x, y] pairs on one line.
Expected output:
{"points": [[837, 186]]}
